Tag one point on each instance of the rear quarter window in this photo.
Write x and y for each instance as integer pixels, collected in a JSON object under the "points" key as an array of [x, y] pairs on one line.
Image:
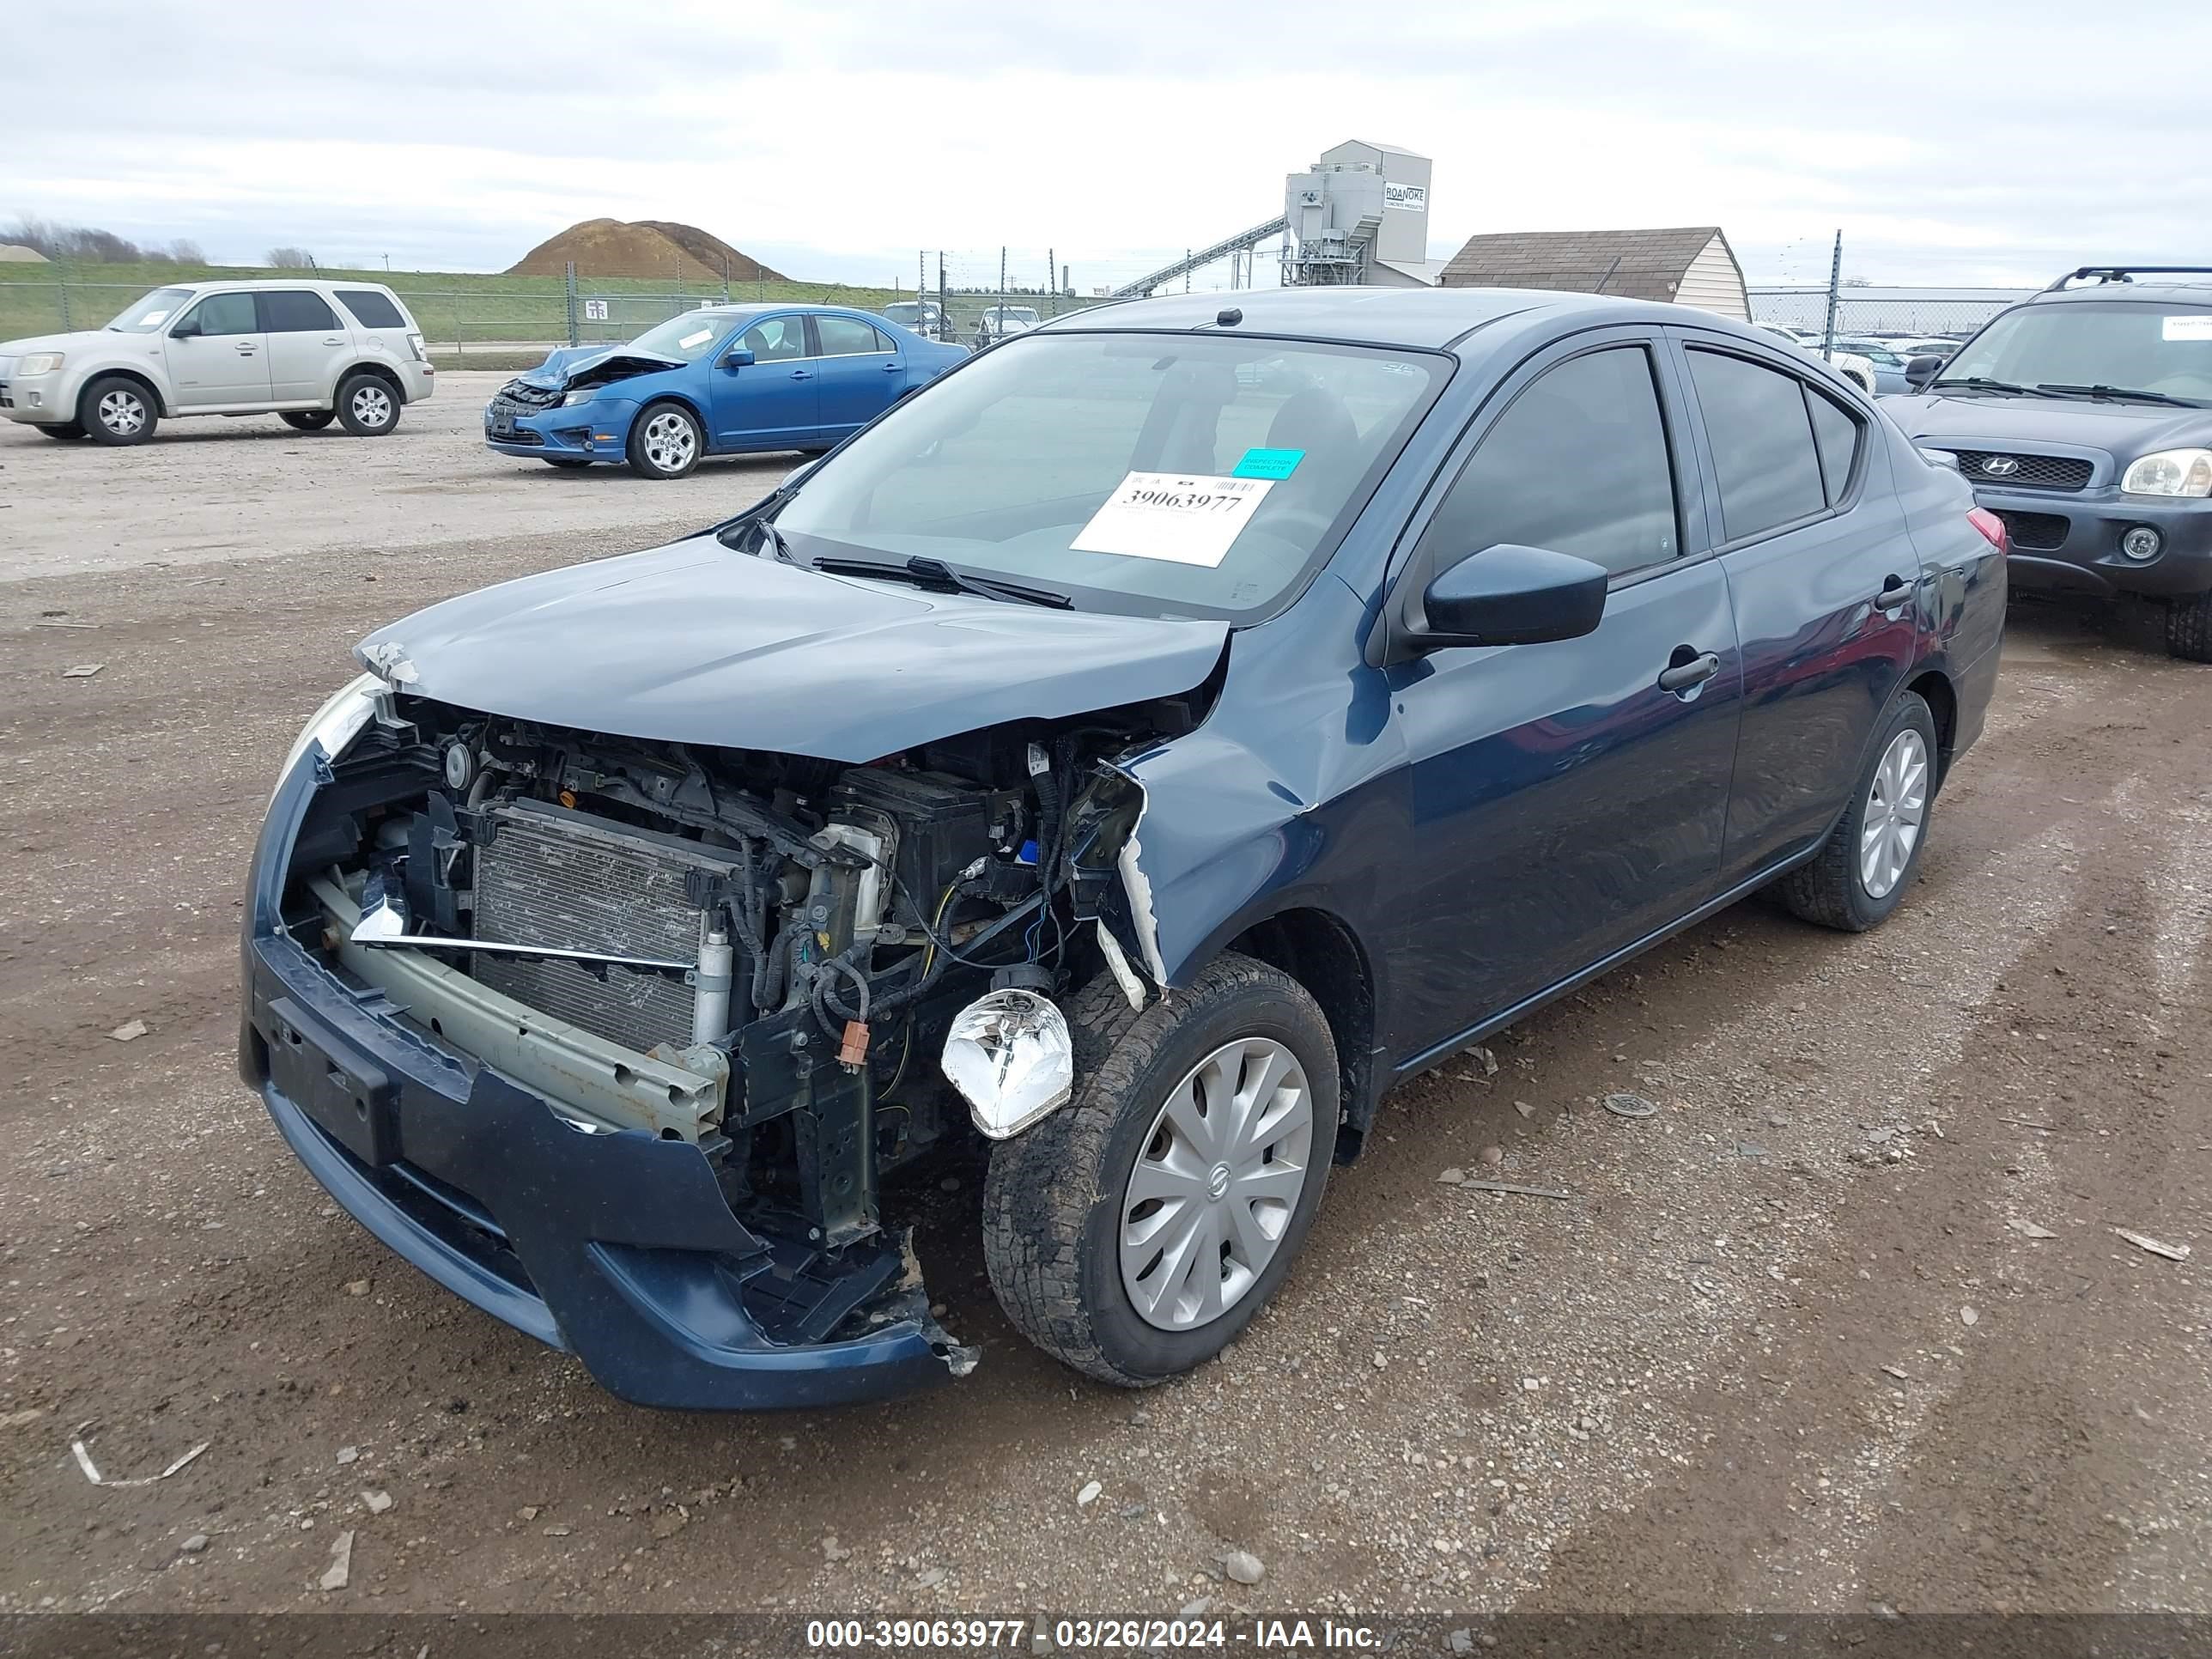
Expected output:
{"points": [[371, 309]]}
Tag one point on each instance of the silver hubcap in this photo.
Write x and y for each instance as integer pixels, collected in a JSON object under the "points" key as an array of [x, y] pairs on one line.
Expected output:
{"points": [[669, 441], [1216, 1184], [121, 411], [372, 405], [1896, 806]]}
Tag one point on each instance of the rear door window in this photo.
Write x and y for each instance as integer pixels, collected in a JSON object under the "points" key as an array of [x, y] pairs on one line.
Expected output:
{"points": [[1764, 458], [371, 309], [1836, 435], [1578, 463], [847, 337], [226, 314], [294, 311]]}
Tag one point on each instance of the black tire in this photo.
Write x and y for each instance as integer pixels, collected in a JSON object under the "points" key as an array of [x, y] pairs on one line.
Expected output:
{"points": [[1052, 1204], [568, 462], [63, 429], [1831, 889], [307, 420], [368, 404], [2189, 627], [665, 441], [117, 410]]}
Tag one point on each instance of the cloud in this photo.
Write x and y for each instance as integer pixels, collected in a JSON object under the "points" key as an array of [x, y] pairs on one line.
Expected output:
{"points": [[1976, 142]]}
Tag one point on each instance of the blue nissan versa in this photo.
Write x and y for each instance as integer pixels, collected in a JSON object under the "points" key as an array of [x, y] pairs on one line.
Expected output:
{"points": [[1145, 746], [719, 381]]}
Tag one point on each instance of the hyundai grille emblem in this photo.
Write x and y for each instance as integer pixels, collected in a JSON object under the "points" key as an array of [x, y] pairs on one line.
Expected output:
{"points": [[2001, 466]]}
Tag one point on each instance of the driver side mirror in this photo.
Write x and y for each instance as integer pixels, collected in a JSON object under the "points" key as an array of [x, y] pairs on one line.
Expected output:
{"points": [[1510, 595], [187, 330], [738, 357], [1918, 371]]}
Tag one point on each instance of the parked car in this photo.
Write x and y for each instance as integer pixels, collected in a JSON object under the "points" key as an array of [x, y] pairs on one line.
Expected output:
{"points": [[2083, 419], [1891, 367], [719, 381], [309, 351], [1936, 346], [997, 322], [626, 942], [921, 317]]}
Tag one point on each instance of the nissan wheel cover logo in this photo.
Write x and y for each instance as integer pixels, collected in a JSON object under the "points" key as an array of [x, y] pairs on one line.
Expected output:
{"points": [[2001, 466]]}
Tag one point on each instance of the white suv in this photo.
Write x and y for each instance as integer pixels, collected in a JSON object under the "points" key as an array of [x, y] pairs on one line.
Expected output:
{"points": [[311, 351]]}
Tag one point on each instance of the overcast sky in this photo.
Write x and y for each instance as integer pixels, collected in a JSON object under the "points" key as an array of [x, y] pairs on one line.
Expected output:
{"points": [[1964, 142]]}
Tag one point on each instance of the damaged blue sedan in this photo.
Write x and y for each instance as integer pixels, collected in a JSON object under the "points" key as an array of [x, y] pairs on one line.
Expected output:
{"points": [[1139, 750]]}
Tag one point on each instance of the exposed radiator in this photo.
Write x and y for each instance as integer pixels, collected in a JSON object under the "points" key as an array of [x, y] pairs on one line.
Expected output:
{"points": [[550, 876]]}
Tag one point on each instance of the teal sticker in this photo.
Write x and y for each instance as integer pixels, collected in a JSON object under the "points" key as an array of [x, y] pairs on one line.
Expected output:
{"points": [[1268, 463]]}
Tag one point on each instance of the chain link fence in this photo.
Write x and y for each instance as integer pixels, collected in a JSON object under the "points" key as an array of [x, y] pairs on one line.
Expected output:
{"points": [[1922, 312]]}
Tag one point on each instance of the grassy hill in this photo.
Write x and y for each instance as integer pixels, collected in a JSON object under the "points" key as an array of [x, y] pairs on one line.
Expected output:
{"points": [[454, 308]]}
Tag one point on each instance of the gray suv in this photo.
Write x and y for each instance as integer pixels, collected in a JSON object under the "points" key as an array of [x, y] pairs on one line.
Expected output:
{"points": [[2083, 420]]}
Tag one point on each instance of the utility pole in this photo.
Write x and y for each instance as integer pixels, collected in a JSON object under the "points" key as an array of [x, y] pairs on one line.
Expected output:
{"points": [[1051, 264]]}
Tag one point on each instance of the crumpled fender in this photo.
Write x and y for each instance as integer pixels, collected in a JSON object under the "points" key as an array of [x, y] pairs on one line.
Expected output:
{"points": [[1255, 812]]}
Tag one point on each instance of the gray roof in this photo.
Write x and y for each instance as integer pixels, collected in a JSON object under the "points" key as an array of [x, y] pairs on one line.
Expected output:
{"points": [[1636, 264]]}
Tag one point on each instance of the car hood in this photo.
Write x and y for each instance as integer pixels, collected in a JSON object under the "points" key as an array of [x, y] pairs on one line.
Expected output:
{"points": [[79, 340], [2120, 428], [574, 366], [694, 643]]}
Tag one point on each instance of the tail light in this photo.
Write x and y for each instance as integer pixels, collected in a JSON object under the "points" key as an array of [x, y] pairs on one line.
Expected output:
{"points": [[415, 345], [1991, 527]]}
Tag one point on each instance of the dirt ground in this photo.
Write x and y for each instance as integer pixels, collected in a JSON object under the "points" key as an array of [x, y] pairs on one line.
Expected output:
{"points": [[1845, 1325]]}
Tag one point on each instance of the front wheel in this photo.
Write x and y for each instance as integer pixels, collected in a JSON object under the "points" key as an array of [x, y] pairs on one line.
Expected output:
{"points": [[1861, 872], [63, 429], [1135, 1232], [307, 420], [2189, 627], [367, 406], [117, 410], [665, 441]]}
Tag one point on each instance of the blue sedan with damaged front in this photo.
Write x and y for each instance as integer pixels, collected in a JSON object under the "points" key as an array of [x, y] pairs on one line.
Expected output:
{"points": [[1132, 757], [719, 381]]}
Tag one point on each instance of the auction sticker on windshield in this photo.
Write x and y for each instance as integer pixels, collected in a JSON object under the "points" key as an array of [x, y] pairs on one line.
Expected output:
{"points": [[2199, 327], [1163, 515]]}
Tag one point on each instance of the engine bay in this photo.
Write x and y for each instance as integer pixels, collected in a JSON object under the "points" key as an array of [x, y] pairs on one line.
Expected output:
{"points": [[757, 953]]}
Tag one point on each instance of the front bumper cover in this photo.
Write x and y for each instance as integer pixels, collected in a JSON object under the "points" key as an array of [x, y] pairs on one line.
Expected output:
{"points": [[597, 430], [617, 1247], [2070, 541]]}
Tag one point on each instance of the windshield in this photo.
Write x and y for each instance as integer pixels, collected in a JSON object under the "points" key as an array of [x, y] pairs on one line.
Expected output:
{"points": [[688, 337], [1195, 475], [908, 312], [1014, 314], [148, 313], [2141, 346]]}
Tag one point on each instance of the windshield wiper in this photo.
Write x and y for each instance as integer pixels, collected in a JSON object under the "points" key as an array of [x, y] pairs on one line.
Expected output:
{"points": [[935, 573], [2116, 392], [1983, 383]]}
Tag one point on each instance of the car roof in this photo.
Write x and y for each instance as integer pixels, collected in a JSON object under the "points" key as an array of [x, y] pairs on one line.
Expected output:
{"points": [[2138, 292], [1435, 318], [306, 279]]}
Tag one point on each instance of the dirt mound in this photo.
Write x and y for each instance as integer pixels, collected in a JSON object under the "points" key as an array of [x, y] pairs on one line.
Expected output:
{"points": [[650, 247]]}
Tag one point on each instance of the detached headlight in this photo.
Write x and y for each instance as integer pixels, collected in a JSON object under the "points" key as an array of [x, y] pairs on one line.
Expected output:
{"points": [[2170, 473], [40, 362], [583, 397], [335, 725]]}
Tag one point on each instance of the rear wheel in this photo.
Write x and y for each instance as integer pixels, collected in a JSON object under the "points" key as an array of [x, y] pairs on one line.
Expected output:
{"points": [[1861, 872], [2189, 627], [307, 420], [1136, 1231], [117, 410], [63, 429], [665, 441], [367, 406]]}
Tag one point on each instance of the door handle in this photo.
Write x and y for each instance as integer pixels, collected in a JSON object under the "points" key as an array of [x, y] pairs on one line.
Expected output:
{"points": [[891, 368], [802, 373], [1682, 676], [245, 348], [1895, 590], [332, 339]]}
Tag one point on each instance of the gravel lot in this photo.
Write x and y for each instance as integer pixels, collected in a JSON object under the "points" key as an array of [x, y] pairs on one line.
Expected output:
{"points": [[1846, 1323]]}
